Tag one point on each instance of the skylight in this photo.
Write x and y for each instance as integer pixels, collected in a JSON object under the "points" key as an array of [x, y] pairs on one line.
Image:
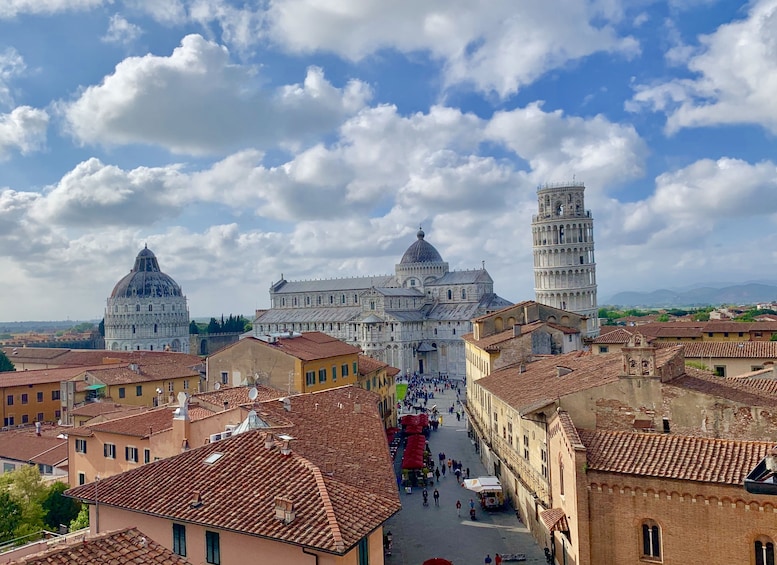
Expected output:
{"points": [[213, 457]]}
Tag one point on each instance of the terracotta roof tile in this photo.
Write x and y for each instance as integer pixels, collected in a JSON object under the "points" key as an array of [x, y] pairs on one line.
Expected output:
{"points": [[93, 409], [618, 335], [236, 396], [741, 349], [42, 376], [122, 547], [80, 357], [672, 456], [309, 346], [338, 460], [24, 445], [369, 365]]}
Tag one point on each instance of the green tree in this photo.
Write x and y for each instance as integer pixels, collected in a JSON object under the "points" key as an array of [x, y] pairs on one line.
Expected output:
{"points": [[5, 363], [59, 509], [213, 326], [101, 327], [27, 489], [82, 520], [702, 317], [663, 318], [10, 516], [193, 328]]}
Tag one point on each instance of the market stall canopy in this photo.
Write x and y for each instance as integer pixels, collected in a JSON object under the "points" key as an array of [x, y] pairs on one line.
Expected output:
{"points": [[480, 484], [437, 561]]}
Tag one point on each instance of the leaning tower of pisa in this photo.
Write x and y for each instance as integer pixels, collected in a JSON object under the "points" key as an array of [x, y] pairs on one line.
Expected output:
{"points": [[564, 265]]}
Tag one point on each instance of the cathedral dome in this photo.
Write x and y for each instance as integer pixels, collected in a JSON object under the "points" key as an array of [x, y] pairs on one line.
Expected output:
{"points": [[146, 280], [421, 252]]}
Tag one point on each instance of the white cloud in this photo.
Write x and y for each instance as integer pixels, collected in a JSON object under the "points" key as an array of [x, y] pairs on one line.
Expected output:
{"points": [[24, 129], [13, 8], [735, 80], [11, 65], [197, 101], [121, 31], [498, 49], [558, 147]]}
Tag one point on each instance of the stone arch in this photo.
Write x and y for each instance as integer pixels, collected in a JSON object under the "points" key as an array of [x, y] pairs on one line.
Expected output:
{"points": [[203, 347], [498, 324]]}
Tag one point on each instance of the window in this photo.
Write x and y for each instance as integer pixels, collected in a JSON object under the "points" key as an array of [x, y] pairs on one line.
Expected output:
{"points": [[463, 294], [764, 552], [561, 476], [544, 455], [137, 307], [604, 349], [122, 392], [146, 456], [334, 373], [24, 398], [80, 446], [651, 540], [322, 375], [212, 548], [186, 384], [139, 390], [526, 447], [179, 539], [9, 400], [109, 451], [450, 294], [720, 370], [355, 368], [224, 377], [25, 419], [310, 378], [40, 416], [8, 421], [40, 397], [363, 552], [150, 308], [81, 478], [170, 386], [57, 413], [54, 395], [344, 370], [131, 454]]}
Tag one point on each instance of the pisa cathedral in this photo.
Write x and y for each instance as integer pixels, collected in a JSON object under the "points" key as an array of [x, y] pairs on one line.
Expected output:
{"points": [[413, 320]]}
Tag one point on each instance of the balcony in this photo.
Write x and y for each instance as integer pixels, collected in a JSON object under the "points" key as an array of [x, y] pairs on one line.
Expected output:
{"points": [[529, 478]]}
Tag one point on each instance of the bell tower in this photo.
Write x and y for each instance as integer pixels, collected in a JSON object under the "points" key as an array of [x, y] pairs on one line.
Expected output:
{"points": [[563, 243]]}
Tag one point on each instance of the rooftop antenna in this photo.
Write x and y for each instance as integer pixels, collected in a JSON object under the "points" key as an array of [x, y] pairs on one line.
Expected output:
{"points": [[252, 394]]}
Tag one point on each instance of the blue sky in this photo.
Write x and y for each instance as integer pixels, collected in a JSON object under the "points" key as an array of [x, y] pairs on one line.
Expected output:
{"points": [[242, 140]]}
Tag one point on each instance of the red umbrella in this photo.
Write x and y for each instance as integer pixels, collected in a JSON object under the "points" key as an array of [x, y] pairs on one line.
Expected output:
{"points": [[437, 561]]}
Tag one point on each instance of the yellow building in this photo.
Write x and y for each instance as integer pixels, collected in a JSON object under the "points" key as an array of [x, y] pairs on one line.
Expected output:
{"points": [[294, 363], [136, 384], [379, 377]]}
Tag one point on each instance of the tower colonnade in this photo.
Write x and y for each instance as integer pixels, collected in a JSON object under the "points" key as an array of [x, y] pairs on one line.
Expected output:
{"points": [[563, 245]]}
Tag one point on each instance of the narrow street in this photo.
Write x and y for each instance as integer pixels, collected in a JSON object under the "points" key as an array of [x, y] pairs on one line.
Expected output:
{"points": [[421, 533]]}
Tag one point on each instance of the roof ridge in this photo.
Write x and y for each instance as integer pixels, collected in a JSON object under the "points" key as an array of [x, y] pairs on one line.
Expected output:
{"points": [[326, 500]]}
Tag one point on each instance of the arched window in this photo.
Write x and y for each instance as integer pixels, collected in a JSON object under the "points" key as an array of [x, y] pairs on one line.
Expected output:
{"points": [[307, 301], [115, 308], [150, 307], [764, 551], [155, 328], [126, 308], [651, 539], [283, 302], [319, 301], [463, 294], [561, 475], [137, 307], [450, 294], [342, 299]]}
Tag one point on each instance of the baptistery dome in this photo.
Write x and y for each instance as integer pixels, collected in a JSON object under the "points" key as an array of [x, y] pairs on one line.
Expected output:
{"points": [[421, 251], [147, 310], [146, 279]]}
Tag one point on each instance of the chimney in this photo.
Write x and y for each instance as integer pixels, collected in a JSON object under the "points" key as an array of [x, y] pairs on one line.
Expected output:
{"points": [[181, 423], [196, 501], [269, 442], [284, 509]]}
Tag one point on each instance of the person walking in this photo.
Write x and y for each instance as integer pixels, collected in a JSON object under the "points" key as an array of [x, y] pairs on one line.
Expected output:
{"points": [[450, 463], [471, 503], [487, 560], [436, 496], [437, 474], [458, 508], [443, 470], [497, 559]]}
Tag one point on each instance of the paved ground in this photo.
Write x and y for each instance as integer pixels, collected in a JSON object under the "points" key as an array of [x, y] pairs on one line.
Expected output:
{"points": [[421, 533]]}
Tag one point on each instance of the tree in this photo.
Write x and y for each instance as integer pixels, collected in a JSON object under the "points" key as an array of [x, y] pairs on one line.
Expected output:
{"points": [[101, 327], [59, 509], [10, 516], [27, 489], [5, 363], [213, 326], [193, 328], [82, 520]]}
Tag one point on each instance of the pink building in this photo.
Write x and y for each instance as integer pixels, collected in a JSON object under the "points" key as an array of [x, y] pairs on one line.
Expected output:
{"points": [[312, 477]]}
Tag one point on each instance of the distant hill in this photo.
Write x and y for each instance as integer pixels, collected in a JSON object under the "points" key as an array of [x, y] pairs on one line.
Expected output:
{"points": [[702, 296]]}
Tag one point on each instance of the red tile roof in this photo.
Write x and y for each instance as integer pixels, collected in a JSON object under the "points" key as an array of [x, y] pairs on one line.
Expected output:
{"points": [[369, 365], [42, 376], [78, 357], [339, 476], [236, 396], [672, 456], [122, 547], [92, 409], [314, 345], [618, 335], [742, 349], [24, 445]]}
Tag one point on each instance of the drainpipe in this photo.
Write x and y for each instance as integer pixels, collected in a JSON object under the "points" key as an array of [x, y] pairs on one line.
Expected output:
{"points": [[306, 552]]}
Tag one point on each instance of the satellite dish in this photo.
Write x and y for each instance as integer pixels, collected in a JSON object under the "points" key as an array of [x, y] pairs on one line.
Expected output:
{"points": [[253, 393], [217, 386]]}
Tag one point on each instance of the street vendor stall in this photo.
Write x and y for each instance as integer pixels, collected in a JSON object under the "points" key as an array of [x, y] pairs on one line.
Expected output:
{"points": [[489, 491]]}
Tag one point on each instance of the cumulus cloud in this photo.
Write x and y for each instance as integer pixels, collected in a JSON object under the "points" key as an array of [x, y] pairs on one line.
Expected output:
{"points": [[735, 77], [24, 129], [13, 8], [558, 147], [499, 49], [121, 31], [197, 101]]}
